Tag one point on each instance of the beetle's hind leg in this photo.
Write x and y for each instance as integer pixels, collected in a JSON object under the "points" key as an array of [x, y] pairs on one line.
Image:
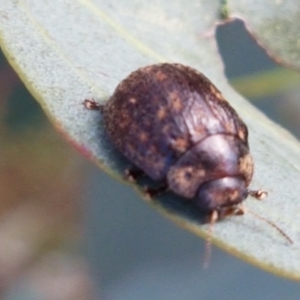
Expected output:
{"points": [[133, 174], [152, 192], [93, 105]]}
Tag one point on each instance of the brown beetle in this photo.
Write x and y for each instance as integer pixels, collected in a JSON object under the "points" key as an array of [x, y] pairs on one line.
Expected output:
{"points": [[172, 123]]}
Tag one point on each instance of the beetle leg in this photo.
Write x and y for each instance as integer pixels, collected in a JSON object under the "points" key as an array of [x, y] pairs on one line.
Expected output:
{"points": [[239, 210], [133, 174], [259, 194], [92, 105], [152, 192], [228, 211]]}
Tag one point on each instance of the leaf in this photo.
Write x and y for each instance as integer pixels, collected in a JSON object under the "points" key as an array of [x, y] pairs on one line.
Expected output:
{"points": [[274, 23], [68, 51]]}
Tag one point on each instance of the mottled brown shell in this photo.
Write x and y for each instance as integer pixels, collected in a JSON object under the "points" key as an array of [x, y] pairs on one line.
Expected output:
{"points": [[160, 112]]}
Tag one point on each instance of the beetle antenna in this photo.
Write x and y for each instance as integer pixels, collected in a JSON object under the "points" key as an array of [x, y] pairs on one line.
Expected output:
{"points": [[207, 256], [246, 209]]}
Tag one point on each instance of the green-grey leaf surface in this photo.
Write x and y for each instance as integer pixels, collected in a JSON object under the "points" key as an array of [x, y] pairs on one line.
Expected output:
{"points": [[275, 24], [67, 51]]}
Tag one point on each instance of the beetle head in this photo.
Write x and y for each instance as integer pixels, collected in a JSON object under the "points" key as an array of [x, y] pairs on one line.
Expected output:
{"points": [[220, 193]]}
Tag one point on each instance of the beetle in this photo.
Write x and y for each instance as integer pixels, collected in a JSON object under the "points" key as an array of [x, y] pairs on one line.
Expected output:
{"points": [[174, 125]]}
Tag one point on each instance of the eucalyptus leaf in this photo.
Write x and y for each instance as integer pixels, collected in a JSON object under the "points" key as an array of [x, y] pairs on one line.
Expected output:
{"points": [[68, 51], [274, 23]]}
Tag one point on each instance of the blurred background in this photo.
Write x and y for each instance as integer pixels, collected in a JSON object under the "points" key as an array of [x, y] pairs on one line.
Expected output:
{"points": [[69, 231]]}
